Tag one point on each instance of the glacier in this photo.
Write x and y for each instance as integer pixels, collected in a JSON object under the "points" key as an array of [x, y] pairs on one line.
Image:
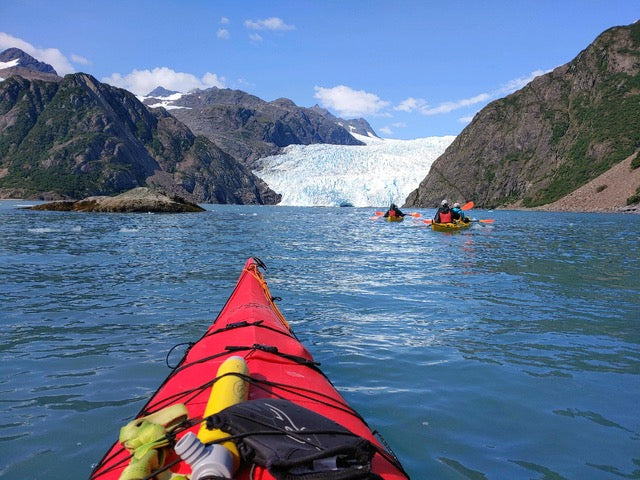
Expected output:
{"points": [[373, 175]]}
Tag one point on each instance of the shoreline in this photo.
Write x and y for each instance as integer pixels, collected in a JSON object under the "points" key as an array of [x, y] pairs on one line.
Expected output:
{"points": [[630, 210]]}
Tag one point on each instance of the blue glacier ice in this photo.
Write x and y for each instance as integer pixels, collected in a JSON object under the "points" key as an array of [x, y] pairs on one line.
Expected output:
{"points": [[373, 175]]}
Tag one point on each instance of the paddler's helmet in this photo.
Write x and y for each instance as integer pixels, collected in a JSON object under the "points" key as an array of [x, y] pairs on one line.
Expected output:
{"points": [[393, 205], [444, 202], [455, 205]]}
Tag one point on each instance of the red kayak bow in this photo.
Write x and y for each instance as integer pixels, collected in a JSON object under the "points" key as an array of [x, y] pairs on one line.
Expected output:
{"points": [[252, 327]]}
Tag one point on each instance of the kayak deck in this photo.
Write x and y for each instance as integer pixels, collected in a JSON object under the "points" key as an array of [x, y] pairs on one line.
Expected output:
{"points": [[251, 326]]}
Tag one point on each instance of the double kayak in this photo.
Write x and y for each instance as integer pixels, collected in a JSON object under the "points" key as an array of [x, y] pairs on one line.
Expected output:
{"points": [[248, 401], [455, 226]]}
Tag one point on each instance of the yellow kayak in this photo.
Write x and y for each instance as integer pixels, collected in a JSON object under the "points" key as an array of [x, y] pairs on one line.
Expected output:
{"points": [[393, 219], [454, 226]]}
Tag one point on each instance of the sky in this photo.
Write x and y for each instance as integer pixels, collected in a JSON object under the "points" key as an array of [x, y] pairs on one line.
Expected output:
{"points": [[411, 68]]}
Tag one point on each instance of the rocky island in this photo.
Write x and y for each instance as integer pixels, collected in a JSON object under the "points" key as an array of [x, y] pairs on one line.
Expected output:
{"points": [[137, 200]]}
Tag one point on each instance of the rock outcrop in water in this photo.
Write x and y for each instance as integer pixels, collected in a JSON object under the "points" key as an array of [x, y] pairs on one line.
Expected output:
{"points": [[141, 200]]}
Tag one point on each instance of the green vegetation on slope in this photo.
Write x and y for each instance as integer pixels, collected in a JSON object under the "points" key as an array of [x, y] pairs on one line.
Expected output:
{"points": [[612, 121]]}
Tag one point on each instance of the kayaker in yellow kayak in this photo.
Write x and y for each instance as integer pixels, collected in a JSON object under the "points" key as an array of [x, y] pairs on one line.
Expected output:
{"points": [[393, 211], [458, 213], [444, 213]]}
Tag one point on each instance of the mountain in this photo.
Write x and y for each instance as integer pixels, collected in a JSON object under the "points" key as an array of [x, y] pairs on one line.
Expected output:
{"points": [[76, 137], [358, 126], [14, 61], [559, 132], [249, 128], [375, 174], [160, 92]]}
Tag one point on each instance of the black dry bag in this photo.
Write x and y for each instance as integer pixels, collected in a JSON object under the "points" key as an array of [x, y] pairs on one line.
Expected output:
{"points": [[294, 443]]}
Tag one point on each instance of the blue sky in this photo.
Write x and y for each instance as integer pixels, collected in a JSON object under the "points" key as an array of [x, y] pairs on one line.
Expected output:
{"points": [[412, 68]]}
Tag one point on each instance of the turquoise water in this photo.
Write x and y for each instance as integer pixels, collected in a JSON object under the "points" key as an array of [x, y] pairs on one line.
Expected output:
{"points": [[510, 350]]}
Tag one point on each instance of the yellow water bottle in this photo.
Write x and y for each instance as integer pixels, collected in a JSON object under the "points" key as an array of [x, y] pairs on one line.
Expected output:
{"points": [[228, 390]]}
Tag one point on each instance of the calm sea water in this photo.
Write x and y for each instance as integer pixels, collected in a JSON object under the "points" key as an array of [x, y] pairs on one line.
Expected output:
{"points": [[508, 351]]}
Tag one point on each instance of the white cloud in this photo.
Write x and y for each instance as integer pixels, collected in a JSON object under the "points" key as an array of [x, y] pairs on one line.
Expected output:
{"points": [[349, 102], [142, 82], [466, 119], [411, 104], [517, 83], [52, 56], [420, 105], [390, 129], [254, 37], [271, 23], [224, 21], [213, 80], [447, 107], [244, 84], [79, 59], [223, 33]]}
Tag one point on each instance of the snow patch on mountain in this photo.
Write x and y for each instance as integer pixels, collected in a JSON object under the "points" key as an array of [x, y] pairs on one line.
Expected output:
{"points": [[372, 175], [10, 64], [166, 102], [354, 131]]}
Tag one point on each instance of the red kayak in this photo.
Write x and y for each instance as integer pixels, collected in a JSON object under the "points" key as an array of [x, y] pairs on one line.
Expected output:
{"points": [[273, 409]]}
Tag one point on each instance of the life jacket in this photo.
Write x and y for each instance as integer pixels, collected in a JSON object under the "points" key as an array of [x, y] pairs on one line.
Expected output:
{"points": [[393, 213], [446, 217]]}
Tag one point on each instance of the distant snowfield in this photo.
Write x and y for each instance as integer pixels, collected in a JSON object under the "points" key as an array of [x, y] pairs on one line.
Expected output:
{"points": [[165, 102], [374, 175], [9, 64]]}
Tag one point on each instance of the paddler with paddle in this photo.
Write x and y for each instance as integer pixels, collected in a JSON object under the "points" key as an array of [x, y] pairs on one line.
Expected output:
{"points": [[393, 211], [444, 213], [458, 213]]}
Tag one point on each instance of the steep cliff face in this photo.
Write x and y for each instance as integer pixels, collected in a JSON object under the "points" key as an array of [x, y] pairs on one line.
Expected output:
{"points": [[78, 137], [249, 128], [544, 141]]}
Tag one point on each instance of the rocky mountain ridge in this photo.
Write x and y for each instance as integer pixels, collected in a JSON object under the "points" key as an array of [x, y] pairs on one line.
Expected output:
{"points": [[14, 61], [548, 139], [78, 137], [75, 137], [250, 128]]}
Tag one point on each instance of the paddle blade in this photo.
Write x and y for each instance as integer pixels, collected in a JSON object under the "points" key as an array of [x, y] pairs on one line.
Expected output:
{"points": [[486, 220], [415, 214], [428, 222], [374, 218], [379, 213], [467, 206]]}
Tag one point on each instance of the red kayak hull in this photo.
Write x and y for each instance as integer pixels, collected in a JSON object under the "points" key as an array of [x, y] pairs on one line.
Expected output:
{"points": [[250, 325]]}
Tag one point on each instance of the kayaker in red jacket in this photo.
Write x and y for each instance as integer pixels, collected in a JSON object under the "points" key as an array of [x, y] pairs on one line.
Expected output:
{"points": [[393, 211], [443, 214]]}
